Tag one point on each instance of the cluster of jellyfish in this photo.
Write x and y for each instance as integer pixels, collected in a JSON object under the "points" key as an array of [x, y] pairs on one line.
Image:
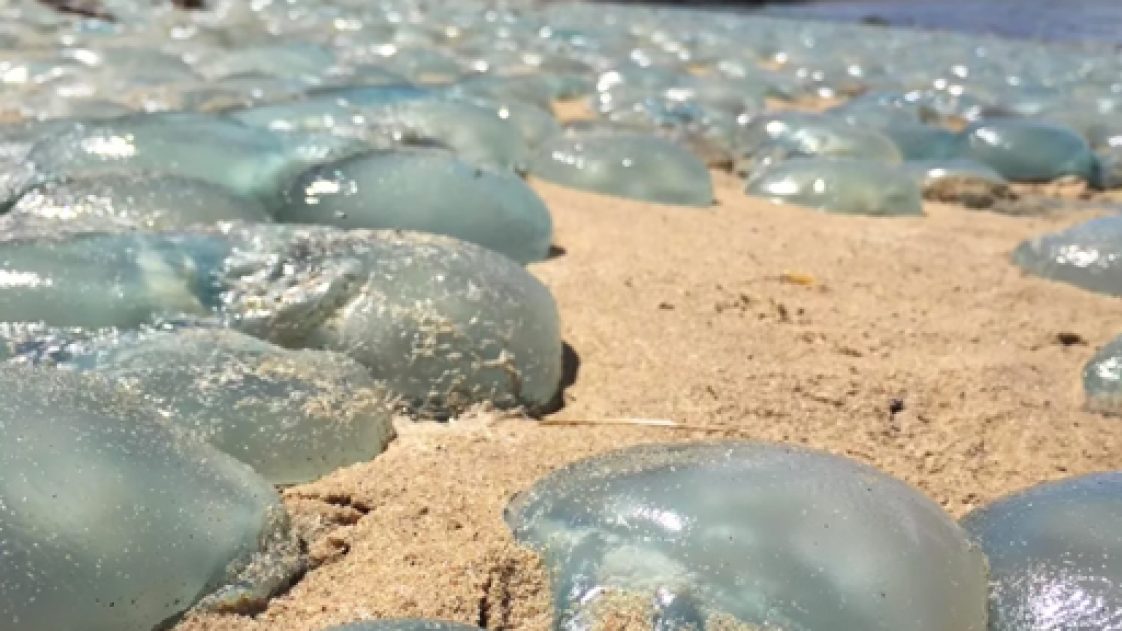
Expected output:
{"points": [[235, 241]]}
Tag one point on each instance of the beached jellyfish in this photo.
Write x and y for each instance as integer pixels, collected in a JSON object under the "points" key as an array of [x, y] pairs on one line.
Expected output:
{"points": [[859, 187], [148, 201], [672, 99], [401, 114], [442, 322], [293, 59], [425, 65], [1055, 555], [777, 537], [676, 108], [798, 134], [477, 133], [535, 124], [111, 520], [29, 68], [117, 68], [219, 95], [1031, 100], [917, 141], [325, 112], [103, 280], [710, 144], [962, 181], [205, 147], [362, 74], [428, 191], [17, 174], [250, 161], [406, 624], [1088, 255], [928, 172], [1026, 150], [529, 89], [1102, 379], [49, 106], [625, 165], [1108, 171], [878, 110], [291, 415], [954, 105]]}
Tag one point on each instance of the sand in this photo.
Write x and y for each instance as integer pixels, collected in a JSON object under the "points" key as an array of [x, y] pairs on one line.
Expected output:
{"points": [[747, 321]]}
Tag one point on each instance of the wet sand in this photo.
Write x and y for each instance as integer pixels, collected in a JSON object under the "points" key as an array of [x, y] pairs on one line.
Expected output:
{"points": [[748, 321]]}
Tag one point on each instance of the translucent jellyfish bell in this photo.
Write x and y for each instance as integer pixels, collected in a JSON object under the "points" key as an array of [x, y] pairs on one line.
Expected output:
{"points": [[48, 105], [859, 187], [534, 123], [17, 174], [1108, 172], [477, 133], [442, 322], [104, 280], [111, 520], [813, 135], [291, 415], [250, 161], [326, 110], [879, 110], [289, 59], [1026, 150], [928, 172], [205, 147], [426, 191], [625, 165], [1055, 554], [774, 536], [149, 201], [917, 141], [1102, 379], [962, 181], [1088, 255]]}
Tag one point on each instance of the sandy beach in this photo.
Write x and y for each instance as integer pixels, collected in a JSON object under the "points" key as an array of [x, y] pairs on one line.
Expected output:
{"points": [[743, 321]]}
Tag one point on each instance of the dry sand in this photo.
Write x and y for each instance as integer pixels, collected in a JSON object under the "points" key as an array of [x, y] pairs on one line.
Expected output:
{"points": [[757, 322]]}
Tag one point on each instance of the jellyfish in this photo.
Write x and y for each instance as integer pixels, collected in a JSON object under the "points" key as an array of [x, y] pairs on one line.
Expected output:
{"points": [[1027, 150], [400, 114], [1102, 379], [917, 141], [105, 280], [292, 415], [1087, 255], [443, 323], [1055, 555], [146, 201], [962, 181], [772, 536], [249, 161], [798, 134], [858, 187], [635, 166], [426, 191], [111, 520]]}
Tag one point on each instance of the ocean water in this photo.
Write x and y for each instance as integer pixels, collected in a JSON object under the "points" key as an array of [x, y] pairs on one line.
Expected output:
{"points": [[1068, 20]]}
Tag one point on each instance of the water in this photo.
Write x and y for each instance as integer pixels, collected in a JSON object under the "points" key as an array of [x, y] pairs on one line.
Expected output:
{"points": [[1069, 20]]}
